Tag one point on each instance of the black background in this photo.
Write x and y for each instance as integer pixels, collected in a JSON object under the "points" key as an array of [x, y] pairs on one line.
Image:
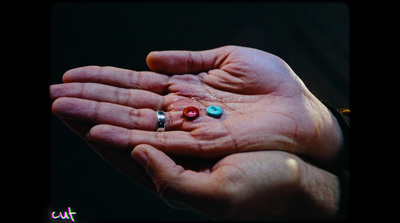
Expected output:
{"points": [[313, 38]]}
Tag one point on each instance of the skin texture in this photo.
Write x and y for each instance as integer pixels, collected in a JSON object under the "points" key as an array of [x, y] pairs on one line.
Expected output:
{"points": [[266, 106], [269, 120], [243, 186]]}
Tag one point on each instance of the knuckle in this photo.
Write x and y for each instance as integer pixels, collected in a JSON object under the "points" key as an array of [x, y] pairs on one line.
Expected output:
{"points": [[164, 188], [97, 112], [134, 115], [161, 139], [134, 79], [190, 62], [122, 96], [169, 121]]}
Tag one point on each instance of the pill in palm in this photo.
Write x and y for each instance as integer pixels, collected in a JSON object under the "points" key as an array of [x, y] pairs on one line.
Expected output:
{"points": [[214, 111]]}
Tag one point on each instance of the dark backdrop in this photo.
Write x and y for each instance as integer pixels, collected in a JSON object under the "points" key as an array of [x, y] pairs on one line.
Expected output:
{"points": [[313, 38]]}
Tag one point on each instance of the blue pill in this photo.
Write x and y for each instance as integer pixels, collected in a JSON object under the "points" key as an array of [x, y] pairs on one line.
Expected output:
{"points": [[214, 111]]}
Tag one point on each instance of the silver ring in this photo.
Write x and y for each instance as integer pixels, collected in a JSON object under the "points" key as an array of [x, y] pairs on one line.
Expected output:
{"points": [[160, 121]]}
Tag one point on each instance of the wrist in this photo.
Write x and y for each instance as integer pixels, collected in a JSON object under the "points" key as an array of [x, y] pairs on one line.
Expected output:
{"points": [[344, 126], [314, 196], [328, 137], [320, 193]]}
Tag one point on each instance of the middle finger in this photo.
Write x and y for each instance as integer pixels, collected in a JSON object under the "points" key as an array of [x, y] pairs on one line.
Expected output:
{"points": [[104, 93]]}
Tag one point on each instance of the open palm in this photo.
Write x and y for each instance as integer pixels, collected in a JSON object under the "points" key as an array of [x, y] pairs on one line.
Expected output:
{"points": [[265, 105]]}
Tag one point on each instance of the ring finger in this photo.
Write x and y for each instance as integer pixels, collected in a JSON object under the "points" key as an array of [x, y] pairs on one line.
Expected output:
{"points": [[113, 114]]}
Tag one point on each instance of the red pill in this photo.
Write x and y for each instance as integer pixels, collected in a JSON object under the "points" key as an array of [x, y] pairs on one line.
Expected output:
{"points": [[191, 112]]}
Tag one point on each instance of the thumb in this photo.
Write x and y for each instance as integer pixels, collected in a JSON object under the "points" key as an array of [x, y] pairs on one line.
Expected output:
{"points": [[161, 168], [181, 62], [155, 161], [172, 181]]}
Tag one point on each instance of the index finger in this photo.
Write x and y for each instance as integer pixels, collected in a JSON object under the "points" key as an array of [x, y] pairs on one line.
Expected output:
{"points": [[181, 62], [145, 80]]}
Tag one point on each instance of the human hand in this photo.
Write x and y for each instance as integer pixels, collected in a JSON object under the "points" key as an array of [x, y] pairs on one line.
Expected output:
{"points": [[266, 106], [244, 186]]}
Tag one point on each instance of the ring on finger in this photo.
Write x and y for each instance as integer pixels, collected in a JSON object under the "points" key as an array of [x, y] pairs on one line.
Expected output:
{"points": [[160, 121]]}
